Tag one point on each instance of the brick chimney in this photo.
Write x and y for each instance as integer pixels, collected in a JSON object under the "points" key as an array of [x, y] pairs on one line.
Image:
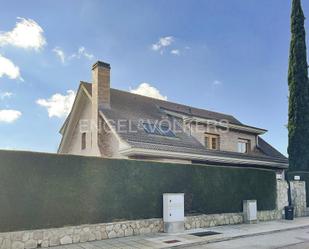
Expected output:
{"points": [[100, 94], [101, 84]]}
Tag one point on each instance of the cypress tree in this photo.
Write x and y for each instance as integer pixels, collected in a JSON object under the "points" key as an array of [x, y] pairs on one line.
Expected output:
{"points": [[298, 125]]}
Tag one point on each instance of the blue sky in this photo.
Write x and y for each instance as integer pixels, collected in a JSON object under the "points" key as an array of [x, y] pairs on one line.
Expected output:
{"points": [[229, 56]]}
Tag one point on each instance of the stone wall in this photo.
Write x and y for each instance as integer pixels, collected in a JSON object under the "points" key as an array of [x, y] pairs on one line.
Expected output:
{"points": [[75, 234], [211, 220], [298, 196], [282, 195], [68, 235], [192, 222], [269, 215]]}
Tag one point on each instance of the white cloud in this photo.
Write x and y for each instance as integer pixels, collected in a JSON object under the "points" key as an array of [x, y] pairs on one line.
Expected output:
{"points": [[175, 52], [162, 43], [8, 68], [9, 116], [81, 53], [58, 105], [217, 82], [26, 34], [147, 90], [4, 95], [59, 52]]}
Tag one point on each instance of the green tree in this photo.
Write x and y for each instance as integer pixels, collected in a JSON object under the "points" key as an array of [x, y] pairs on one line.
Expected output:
{"points": [[298, 125]]}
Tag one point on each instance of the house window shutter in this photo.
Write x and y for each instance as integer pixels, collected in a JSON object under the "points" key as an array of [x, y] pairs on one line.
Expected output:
{"points": [[207, 142], [214, 143], [83, 141]]}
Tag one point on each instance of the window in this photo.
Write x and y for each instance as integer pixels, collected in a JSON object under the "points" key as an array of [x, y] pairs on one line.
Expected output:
{"points": [[162, 130], [151, 129], [83, 140], [212, 141], [243, 146], [166, 131]]}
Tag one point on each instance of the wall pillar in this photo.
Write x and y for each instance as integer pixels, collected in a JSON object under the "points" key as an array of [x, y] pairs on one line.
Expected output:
{"points": [[282, 196], [298, 196]]}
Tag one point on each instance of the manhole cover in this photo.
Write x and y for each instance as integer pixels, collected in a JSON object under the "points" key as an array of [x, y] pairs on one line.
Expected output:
{"points": [[171, 241], [202, 234]]}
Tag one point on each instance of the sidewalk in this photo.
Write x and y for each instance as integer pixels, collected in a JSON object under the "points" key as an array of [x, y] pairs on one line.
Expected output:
{"points": [[161, 240]]}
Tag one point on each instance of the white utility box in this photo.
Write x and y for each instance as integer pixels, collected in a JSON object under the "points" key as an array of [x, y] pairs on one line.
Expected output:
{"points": [[173, 212], [250, 211]]}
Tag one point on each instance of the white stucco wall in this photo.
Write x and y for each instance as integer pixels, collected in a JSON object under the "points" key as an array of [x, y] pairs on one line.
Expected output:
{"points": [[84, 121]]}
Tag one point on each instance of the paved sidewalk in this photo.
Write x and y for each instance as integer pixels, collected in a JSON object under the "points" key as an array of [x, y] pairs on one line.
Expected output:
{"points": [[161, 240], [291, 239]]}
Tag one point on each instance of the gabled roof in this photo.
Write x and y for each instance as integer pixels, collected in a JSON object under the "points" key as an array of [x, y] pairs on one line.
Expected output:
{"points": [[128, 106], [267, 149], [184, 109]]}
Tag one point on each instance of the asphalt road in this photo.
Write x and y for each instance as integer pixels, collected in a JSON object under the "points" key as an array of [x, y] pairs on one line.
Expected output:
{"points": [[294, 239]]}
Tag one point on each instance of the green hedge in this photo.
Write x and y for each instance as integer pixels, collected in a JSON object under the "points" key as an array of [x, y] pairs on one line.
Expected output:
{"points": [[304, 176], [47, 190]]}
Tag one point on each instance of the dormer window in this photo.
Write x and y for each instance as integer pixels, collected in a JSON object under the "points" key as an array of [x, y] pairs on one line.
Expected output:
{"points": [[212, 141], [243, 145], [162, 130], [151, 129]]}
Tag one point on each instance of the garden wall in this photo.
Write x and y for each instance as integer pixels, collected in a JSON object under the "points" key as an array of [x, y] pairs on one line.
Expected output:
{"points": [[40, 190], [304, 176]]}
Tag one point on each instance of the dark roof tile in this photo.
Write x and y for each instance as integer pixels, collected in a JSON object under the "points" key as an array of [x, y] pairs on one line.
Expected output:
{"points": [[127, 107]]}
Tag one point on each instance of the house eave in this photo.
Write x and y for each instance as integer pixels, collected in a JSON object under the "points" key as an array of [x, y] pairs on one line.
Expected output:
{"points": [[216, 159], [64, 126]]}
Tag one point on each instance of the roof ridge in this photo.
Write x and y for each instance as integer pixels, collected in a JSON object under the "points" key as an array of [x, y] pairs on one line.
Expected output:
{"points": [[166, 101], [175, 103]]}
